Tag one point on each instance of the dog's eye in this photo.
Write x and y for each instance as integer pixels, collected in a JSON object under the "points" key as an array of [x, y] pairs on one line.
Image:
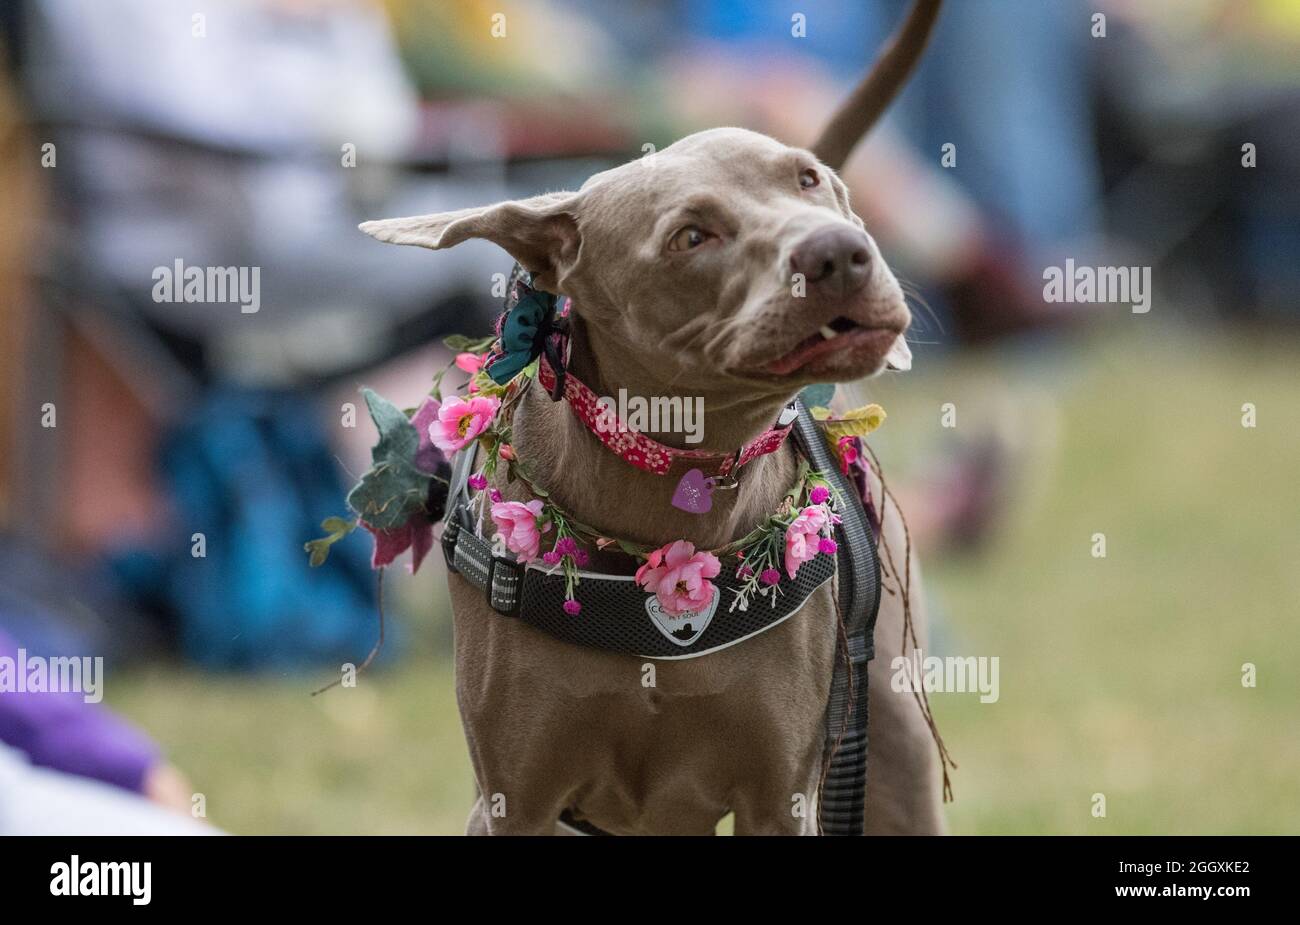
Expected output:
{"points": [[687, 238], [808, 178]]}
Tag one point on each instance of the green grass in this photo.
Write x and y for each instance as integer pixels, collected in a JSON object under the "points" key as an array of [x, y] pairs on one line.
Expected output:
{"points": [[1119, 676]]}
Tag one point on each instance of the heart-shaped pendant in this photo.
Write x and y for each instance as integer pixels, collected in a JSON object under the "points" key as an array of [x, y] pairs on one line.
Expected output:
{"points": [[694, 493]]}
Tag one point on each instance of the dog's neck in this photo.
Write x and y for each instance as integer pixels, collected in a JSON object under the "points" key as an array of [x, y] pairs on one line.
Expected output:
{"points": [[729, 418], [601, 489]]}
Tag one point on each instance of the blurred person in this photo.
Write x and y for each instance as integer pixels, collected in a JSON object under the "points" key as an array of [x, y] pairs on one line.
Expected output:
{"points": [[40, 801], [69, 766], [220, 138], [1184, 90]]}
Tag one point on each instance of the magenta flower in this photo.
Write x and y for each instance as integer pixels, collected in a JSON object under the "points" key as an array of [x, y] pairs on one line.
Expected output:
{"points": [[460, 421], [521, 526], [416, 535], [551, 557], [848, 452], [478, 481], [802, 537], [495, 495], [819, 494], [679, 577], [828, 546], [572, 607], [770, 576]]}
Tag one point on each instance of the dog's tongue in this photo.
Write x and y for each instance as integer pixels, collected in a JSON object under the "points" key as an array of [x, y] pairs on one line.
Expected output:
{"points": [[807, 350]]}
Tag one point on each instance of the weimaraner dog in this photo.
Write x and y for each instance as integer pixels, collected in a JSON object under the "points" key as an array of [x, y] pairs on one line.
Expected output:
{"points": [[679, 267]]}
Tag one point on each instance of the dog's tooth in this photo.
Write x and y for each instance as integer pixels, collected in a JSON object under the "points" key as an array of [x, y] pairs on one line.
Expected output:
{"points": [[828, 332]]}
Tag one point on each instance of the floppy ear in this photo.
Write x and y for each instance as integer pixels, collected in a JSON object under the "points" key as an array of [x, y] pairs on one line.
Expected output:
{"points": [[540, 232]]}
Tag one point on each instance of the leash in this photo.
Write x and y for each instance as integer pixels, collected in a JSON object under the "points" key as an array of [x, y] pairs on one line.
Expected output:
{"points": [[844, 787]]}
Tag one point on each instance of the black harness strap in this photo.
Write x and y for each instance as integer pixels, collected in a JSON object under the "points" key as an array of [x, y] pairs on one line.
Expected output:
{"points": [[844, 792]]}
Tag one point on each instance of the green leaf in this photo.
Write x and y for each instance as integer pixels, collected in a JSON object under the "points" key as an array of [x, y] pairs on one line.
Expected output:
{"points": [[461, 343], [319, 550], [337, 525], [394, 488]]}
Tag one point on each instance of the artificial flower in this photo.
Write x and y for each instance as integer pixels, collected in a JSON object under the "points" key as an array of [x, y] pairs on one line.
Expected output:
{"points": [[521, 526], [416, 535], [848, 452], [460, 421], [679, 577], [803, 536], [469, 362]]}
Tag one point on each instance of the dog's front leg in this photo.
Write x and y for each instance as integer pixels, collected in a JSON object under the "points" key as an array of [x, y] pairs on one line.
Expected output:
{"points": [[784, 801]]}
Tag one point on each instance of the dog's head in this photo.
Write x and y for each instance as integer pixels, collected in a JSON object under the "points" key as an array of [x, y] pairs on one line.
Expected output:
{"points": [[727, 258]]}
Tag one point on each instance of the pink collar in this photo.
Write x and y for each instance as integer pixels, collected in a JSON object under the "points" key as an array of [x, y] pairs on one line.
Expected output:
{"points": [[638, 449]]}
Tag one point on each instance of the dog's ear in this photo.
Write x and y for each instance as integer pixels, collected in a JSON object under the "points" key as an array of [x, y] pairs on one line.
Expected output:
{"points": [[540, 232]]}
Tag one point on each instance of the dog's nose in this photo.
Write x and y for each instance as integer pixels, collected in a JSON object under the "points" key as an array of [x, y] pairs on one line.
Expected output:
{"points": [[835, 259]]}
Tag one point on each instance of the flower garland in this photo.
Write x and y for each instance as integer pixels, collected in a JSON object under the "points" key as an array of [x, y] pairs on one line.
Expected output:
{"points": [[404, 492], [677, 573]]}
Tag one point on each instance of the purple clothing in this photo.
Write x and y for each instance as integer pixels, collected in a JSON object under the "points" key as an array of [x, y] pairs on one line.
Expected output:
{"points": [[63, 732]]}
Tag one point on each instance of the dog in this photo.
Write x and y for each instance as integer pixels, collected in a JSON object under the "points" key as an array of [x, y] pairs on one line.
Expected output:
{"points": [[679, 266]]}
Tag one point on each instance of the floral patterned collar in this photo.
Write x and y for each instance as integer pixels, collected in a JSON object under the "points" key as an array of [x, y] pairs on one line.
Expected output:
{"points": [[644, 452], [535, 328]]}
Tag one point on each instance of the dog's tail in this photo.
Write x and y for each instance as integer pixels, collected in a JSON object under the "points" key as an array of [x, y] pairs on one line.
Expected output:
{"points": [[882, 83]]}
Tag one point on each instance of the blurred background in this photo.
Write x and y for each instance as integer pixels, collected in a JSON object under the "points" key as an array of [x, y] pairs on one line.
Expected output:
{"points": [[257, 133]]}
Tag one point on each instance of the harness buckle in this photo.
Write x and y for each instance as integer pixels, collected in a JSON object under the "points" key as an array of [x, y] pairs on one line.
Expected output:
{"points": [[450, 533], [508, 600]]}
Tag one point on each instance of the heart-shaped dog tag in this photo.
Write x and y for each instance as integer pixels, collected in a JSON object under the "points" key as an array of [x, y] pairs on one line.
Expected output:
{"points": [[694, 493]]}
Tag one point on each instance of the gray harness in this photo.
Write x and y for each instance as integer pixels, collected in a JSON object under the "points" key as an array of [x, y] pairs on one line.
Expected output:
{"points": [[618, 616]]}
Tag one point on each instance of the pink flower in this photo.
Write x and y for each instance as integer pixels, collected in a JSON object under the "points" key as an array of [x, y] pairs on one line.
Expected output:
{"points": [[679, 577], [469, 362], [460, 421], [520, 524], [572, 607], [803, 536], [506, 452], [848, 452]]}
